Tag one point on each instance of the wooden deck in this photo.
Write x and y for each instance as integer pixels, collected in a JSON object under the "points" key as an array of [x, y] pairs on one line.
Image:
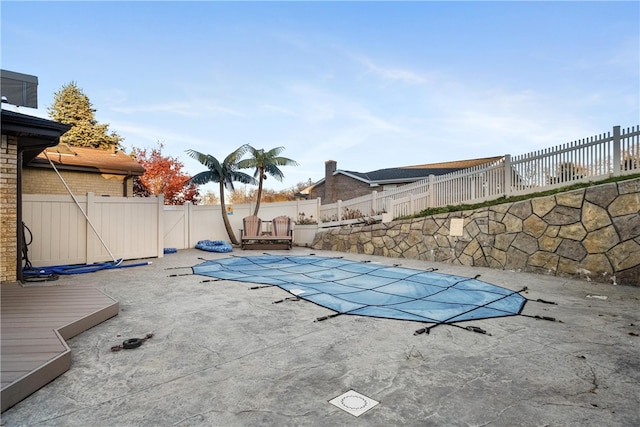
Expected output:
{"points": [[36, 321]]}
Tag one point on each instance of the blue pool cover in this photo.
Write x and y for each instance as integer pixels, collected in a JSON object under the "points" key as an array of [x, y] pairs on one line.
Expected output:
{"points": [[371, 289]]}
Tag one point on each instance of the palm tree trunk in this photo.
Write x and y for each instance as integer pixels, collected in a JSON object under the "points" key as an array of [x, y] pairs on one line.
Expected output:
{"points": [[255, 212], [225, 217]]}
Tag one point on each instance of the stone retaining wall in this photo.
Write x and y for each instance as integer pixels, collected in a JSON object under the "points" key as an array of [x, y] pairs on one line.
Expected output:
{"points": [[592, 233]]}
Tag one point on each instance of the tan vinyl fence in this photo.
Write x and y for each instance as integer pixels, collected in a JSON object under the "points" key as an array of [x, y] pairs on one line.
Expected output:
{"points": [[59, 234], [130, 227]]}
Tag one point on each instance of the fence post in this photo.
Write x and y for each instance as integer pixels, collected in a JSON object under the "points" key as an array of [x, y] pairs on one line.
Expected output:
{"points": [[188, 212], [160, 223], [191, 224], [507, 175], [431, 191], [374, 204], [472, 187], [617, 151], [91, 255], [317, 216], [339, 204], [390, 206]]}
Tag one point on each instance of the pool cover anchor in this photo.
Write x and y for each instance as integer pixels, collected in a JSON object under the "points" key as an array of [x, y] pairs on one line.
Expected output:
{"points": [[286, 299], [477, 329], [330, 316]]}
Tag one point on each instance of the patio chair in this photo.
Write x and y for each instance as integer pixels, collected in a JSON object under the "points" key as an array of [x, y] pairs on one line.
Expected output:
{"points": [[251, 230], [281, 230], [252, 237]]}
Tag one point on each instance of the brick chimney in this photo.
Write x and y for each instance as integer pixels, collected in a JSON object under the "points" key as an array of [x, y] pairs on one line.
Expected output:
{"points": [[330, 166]]}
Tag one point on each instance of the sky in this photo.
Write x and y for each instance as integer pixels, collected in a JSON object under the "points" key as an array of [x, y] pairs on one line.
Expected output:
{"points": [[371, 85]]}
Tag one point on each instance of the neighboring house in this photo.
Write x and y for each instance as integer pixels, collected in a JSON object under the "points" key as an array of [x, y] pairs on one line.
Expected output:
{"points": [[344, 185], [24, 136], [84, 170]]}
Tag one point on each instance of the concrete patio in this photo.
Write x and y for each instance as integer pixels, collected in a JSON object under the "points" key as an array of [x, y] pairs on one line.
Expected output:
{"points": [[225, 355]]}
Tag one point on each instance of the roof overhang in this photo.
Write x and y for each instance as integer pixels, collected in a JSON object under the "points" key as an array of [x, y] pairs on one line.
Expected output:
{"points": [[86, 159], [378, 182], [34, 134], [41, 163], [398, 180]]}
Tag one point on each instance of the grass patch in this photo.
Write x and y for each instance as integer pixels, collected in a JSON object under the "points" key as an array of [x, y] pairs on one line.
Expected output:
{"points": [[458, 208]]}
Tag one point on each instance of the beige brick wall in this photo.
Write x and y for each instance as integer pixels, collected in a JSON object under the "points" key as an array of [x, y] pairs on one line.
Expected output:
{"points": [[8, 208], [45, 181]]}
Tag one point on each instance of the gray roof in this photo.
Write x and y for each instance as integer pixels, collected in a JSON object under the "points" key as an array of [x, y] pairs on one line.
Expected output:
{"points": [[408, 174], [400, 174]]}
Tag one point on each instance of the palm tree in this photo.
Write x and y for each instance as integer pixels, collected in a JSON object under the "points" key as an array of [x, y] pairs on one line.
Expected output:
{"points": [[225, 173], [265, 163]]}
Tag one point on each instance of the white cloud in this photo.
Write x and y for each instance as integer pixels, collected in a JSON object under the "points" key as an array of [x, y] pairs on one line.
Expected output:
{"points": [[393, 73]]}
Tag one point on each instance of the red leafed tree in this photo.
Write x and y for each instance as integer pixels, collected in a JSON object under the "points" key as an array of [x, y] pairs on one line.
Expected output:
{"points": [[163, 175]]}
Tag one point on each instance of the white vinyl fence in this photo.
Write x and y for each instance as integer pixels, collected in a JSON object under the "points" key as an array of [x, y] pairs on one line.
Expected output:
{"points": [[185, 225], [598, 157]]}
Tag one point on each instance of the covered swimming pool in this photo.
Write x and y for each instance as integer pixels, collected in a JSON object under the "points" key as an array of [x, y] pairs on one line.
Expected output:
{"points": [[371, 289]]}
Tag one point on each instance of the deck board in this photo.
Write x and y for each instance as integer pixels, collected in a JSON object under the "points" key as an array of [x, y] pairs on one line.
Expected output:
{"points": [[36, 321]]}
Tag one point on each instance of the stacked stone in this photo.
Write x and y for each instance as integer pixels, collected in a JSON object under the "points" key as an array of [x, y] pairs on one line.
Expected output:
{"points": [[593, 233]]}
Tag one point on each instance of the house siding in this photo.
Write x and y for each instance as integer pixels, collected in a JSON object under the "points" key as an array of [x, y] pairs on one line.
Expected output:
{"points": [[8, 208], [45, 181]]}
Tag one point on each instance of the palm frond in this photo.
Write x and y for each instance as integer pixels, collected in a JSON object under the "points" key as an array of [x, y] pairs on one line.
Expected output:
{"points": [[275, 151], [231, 161], [243, 178], [273, 171], [205, 177], [248, 163], [206, 159], [283, 161]]}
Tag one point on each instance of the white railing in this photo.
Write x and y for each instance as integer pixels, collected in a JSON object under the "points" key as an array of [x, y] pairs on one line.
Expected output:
{"points": [[476, 184], [597, 157], [365, 206]]}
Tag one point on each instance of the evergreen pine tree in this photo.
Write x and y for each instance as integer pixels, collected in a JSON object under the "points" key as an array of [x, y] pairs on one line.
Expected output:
{"points": [[72, 106]]}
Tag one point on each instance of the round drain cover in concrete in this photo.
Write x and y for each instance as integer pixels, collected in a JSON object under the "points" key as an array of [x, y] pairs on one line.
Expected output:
{"points": [[354, 403]]}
